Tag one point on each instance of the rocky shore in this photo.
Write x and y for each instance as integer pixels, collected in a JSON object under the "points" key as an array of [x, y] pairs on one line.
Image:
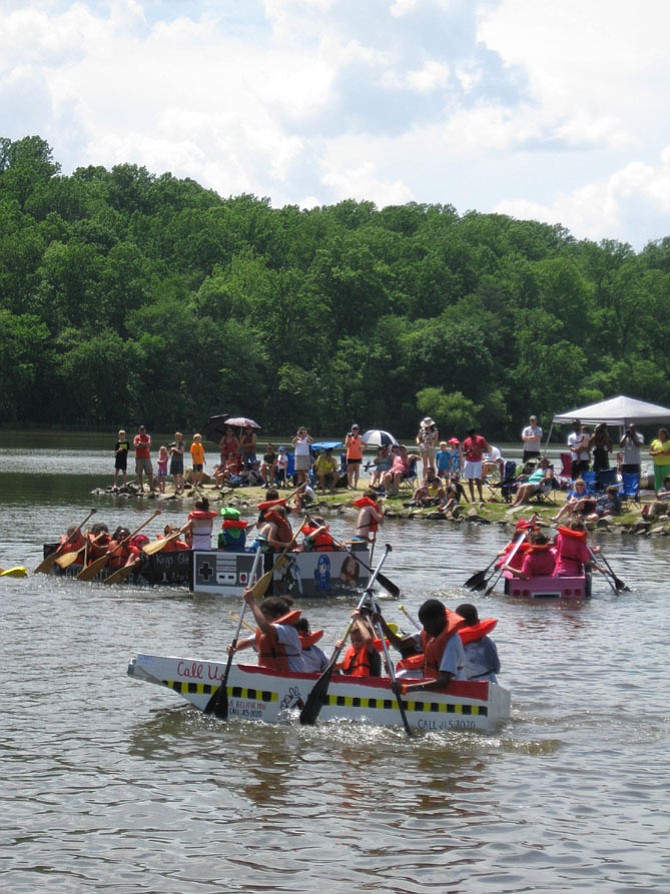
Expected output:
{"points": [[631, 522]]}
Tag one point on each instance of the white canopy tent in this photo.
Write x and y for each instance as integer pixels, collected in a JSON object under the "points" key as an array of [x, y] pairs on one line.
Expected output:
{"points": [[619, 410]]}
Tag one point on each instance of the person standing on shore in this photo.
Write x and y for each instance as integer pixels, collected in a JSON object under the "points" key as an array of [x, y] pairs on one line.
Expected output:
{"points": [[143, 466], [177, 462], [354, 447], [121, 449], [532, 440]]}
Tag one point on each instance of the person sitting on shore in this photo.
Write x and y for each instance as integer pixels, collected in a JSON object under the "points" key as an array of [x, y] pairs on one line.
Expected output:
{"points": [[326, 469], [577, 502], [541, 480], [606, 505], [661, 505], [382, 463], [539, 560], [430, 493]]}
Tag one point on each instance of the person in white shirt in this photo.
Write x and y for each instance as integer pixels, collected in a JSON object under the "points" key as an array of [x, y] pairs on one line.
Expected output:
{"points": [[532, 440]]}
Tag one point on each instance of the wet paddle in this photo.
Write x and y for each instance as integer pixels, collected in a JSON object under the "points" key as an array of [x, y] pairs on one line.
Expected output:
{"points": [[150, 549], [16, 571], [218, 701], [391, 672], [391, 588], [618, 583], [479, 579], [317, 696], [260, 588], [58, 555], [97, 565], [605, 573], [506, 560]]}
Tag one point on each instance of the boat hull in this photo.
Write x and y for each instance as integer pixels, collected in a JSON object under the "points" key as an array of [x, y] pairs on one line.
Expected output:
{"points": [[256, 694], [548, 587], [309, 575]]}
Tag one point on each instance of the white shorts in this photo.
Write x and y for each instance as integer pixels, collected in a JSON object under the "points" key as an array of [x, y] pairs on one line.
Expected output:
{"points": [[472, 470]]}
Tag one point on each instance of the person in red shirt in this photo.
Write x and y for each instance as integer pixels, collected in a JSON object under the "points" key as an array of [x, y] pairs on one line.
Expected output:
{"points": [[142, 445], [474, 447]]}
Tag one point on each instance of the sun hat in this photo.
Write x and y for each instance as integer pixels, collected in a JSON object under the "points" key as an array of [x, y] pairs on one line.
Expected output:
{"points": [[454, 441]]}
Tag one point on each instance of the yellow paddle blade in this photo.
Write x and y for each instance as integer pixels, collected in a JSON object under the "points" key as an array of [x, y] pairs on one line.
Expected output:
{"points": [[94, 568], [68, 559], [17, 571], [150, 548]]}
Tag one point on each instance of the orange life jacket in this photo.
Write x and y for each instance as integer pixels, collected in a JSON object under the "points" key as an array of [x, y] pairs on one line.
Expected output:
{"points": [[361, 503], [433, 647], [477, 631], [307, 640], [284, 532], [323, 542], [271, 653], [269, 504], [122, 552], [358, 662]]}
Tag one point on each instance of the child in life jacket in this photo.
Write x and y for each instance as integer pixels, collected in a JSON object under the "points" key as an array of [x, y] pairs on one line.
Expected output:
{"points": [[198, 528], [233, 533], [317, 536], [481, 655], [539, 558], [314, 657], [276, 639], [361, 658]]}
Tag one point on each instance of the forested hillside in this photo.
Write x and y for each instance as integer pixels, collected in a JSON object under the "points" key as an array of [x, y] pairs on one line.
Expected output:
{"points": [[127, 296]]}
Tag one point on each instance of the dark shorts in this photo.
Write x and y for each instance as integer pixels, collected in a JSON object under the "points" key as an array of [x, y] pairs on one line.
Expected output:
{"points": [[121, 462], [177, 467], [353, 462], [197, 467], [528, 455]]}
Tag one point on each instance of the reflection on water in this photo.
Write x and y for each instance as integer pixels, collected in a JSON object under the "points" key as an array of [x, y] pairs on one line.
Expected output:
{"points": [[113, 786]]}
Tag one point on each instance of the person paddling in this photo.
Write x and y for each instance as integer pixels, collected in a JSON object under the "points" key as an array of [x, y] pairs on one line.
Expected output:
{"points": [[276, 639], [361, 658], [370, 516], [481, 654]]}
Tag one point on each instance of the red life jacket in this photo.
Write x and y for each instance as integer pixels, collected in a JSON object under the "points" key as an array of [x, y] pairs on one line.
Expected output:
{"points": [[270, 504], [122, 552], [323, 542], [271, 653], [433, 647], [284, 532]]}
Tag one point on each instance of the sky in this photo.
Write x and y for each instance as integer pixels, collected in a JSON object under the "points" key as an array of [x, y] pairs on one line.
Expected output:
{"points": [[551, 110]]}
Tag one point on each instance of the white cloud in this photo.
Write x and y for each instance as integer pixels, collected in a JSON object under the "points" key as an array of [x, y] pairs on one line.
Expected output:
{"points": [[551, 109]]}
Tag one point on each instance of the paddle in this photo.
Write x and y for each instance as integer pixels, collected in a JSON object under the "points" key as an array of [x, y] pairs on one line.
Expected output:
{"points": [[49, 561], [611, 577], [236, 617], [260, 587], [391, 672], [409, 617], [218, 701], [150, 549], [391, 588], [517, 543], [479, 579], [97, 565], [317, 696], [16, 571], [116, 577], [618, 583]]}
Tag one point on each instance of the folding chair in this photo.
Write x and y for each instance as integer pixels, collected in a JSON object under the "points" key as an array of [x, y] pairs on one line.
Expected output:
{"points": [[410, 478], [630, 488], [509, 483], [589, 479], [606, 478]]}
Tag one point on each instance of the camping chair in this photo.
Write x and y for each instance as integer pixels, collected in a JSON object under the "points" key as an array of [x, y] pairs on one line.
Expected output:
{"points": [[589, 479], [630, 488], [509, 482], [565, 475], [410, 478], [606, 478]]}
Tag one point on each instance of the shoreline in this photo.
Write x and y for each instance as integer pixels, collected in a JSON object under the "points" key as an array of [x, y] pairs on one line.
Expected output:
{"points": [[630, 522]]}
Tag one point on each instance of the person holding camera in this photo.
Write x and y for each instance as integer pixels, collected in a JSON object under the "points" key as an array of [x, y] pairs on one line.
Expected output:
{"points": [[630, 444]]}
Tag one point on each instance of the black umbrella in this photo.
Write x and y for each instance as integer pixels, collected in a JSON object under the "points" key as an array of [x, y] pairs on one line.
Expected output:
{"points": [[215, 427]]}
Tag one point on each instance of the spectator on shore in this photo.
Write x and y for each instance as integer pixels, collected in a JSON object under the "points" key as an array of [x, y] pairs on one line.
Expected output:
{"points": [[176, 449], [143, 465], [121, 450], [659, 450], [631, 444], [578, 444], [531, 437], [474, 447], [354, 447]]}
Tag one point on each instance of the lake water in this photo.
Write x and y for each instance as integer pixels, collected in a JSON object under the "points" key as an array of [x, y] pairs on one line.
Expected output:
{"points": [[109, 785]]}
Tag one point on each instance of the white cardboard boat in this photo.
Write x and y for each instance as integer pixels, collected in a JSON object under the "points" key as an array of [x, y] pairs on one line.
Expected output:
{"points": [[254, 693]]}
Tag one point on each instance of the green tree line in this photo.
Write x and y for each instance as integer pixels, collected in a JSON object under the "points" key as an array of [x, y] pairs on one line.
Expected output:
{"points": [[126, 296]]}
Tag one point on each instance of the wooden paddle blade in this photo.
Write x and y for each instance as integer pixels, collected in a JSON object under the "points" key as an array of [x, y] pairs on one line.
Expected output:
{"points": [[94, 568], [262, 585], [120, 574], [47, 563], [68, 559], [157, 546]]}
